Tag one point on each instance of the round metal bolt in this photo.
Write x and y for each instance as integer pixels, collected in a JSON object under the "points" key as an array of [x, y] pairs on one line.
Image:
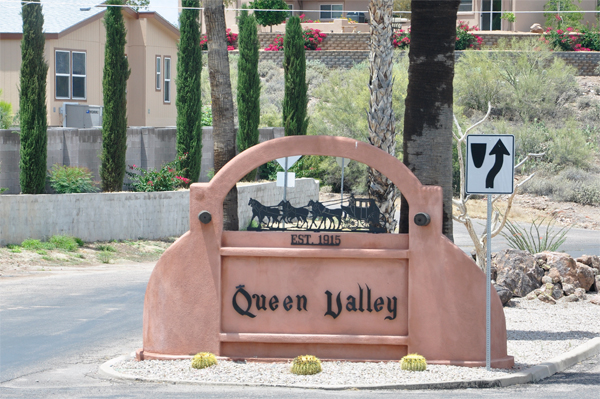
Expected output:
{"points": [[422, 219], [205, 217]]}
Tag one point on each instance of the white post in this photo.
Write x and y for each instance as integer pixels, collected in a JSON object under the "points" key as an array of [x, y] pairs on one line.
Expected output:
{"points": [[488, 281]]}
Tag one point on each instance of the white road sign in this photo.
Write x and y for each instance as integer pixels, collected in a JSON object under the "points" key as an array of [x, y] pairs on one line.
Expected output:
{"points": [[290, 161], [291, 179], [490, 164], [342, 161]]}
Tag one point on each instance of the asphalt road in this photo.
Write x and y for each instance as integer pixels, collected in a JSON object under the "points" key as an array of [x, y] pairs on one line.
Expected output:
{"points": [[56, 330]]}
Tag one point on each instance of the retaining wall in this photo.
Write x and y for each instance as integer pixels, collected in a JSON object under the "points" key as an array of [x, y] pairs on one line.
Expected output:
{"points": [[125, 215], [147, 147]]}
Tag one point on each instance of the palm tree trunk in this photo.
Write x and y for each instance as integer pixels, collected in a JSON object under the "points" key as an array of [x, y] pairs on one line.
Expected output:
{"points": [[222, 101], [380, 115], [428, 115]]}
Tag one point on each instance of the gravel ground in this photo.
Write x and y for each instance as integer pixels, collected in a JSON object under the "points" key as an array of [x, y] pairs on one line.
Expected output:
{"points": [[536, 332]]}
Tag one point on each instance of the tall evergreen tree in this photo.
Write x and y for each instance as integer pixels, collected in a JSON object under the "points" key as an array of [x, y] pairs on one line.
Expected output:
{"points": [[295, 98], [32, 101], [189, 98], [248, 92], [114, 85]]}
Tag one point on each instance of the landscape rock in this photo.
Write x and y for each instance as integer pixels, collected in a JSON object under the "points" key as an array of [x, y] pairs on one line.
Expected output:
{"points": [[595, 299], [531, 295], [540, 260], [569, 289], [598, 283], [571, 298], [536, 28], [547, 299], [548, 289], [570, 272], [557, 292], [554, 275], [592, 261], [546, 280], [504, 293], [579, 293], [518, 271]]}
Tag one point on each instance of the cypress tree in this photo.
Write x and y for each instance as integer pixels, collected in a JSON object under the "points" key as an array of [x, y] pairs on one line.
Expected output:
{"points": [[32, 101], [114, 84], [295, 98], [189, 99], [248, 91]]}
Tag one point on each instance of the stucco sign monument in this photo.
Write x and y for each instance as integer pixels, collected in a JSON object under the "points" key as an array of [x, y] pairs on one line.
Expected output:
{"points": [[334, 292]]}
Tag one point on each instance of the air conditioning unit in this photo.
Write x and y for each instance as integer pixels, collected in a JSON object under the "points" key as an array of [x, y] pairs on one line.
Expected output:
{"points": [[82, 116]]}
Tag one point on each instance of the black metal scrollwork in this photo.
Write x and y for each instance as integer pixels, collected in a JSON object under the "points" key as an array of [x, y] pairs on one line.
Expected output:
{"points": [[360, 214]]}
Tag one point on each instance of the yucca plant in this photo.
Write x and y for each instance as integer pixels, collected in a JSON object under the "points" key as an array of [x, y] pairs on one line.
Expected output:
{"points": [[536, 239]]}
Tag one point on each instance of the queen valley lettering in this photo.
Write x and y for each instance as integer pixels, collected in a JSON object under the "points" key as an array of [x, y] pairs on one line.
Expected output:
{"points": [[245, 304]]}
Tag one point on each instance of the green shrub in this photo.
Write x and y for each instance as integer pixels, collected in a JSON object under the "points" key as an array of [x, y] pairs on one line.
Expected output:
{"points": [[70, 179], [66, 243], [105, 248], [167, 178], [6, 116], [295, 100], [207, 115], [566, 19], [104, 257], [36, 245]]}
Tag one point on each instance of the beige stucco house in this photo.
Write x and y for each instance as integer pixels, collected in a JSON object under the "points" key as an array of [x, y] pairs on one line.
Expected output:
{"points": [[484, 14], [75, 39]]}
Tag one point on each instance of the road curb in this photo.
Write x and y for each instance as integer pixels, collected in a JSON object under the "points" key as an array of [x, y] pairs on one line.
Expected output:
{"points": [[532, 374]]}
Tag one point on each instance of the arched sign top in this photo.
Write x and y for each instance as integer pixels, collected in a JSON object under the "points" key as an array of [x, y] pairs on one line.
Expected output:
{"points": [[344, 147]]}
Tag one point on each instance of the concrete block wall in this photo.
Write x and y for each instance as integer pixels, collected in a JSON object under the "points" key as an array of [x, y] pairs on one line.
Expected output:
{"points": [[333, 41], [147, 147], [124, 215], [269, 194]]}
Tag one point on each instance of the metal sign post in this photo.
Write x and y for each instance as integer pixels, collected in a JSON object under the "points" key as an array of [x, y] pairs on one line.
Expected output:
{"points": [[343, 163], [488, 173]]}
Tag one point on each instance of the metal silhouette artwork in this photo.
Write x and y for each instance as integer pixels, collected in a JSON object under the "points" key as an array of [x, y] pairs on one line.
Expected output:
{"points": [[360, 214]]}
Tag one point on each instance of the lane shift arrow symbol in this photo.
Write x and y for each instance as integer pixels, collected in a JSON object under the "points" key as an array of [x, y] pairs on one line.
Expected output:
{"points": [[499, 150]]}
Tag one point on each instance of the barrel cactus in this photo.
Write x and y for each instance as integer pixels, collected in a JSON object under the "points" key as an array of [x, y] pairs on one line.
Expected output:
{"points": [[306, 365], [413, 362], [203, 360]]}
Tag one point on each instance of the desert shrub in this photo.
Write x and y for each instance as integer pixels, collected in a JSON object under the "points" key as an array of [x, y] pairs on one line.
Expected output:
{"points": [[70, 179], [36, 245], [570, 184], [339, 104], [564, 19], [520, 85], [105, 248]]}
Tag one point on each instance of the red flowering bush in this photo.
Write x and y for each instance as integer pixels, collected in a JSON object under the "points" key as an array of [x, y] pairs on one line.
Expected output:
{"points": [[303, 19], [231, 40], [167, 178], [465, 39], [277, 44], [569, 39], [401, 39], [312, 39]]}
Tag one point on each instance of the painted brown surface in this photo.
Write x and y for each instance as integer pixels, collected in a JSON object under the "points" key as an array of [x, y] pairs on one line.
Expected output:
{"points": [[441, 304]]}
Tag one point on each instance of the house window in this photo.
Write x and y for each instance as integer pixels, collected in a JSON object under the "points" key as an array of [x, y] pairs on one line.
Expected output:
{"points": [[158, 78], [70, 75], [465, 5], [291, 12], [167, 74], [331, 11]]}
